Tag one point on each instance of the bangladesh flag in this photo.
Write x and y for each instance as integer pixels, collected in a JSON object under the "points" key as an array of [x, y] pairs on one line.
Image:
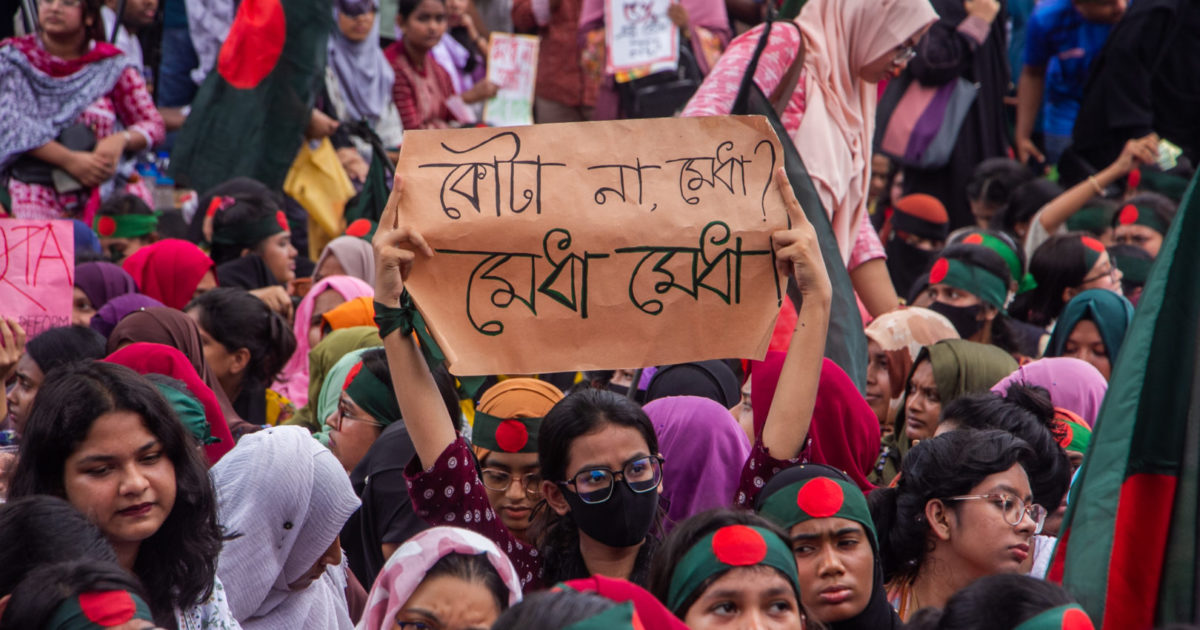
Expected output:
{"points": [[249, 116], [1128, 551]]}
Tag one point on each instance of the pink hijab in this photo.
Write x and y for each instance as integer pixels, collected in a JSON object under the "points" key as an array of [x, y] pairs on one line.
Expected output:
{"points": [[293, 380], [1074, 385], [840, 37]]}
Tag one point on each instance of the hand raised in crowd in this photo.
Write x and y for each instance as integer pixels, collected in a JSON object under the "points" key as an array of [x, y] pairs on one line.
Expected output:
{"points": [[797, 251], [1027, 149], [320, 125], [983, 9], [480, 92], [13, 338], [90, 168], [396, 249], [276, 298], [1137, 151], [678, 15]]}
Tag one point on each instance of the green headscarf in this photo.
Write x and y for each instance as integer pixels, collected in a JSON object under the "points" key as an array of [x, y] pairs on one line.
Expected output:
{"points": [[1110, 311], [321, 360], [189, 410]]}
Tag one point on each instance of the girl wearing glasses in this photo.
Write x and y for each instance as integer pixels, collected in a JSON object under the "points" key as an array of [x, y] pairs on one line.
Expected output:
{"points": [[600, 463], [1065, 266], [963, 509]]}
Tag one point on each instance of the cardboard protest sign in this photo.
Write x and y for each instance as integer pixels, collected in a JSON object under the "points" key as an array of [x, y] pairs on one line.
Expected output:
{"points": [[638, 33], [512, 65], [37, 273], [596, 245]]}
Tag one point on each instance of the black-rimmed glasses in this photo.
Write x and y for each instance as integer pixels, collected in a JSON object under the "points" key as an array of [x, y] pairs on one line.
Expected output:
{"points": [[595, 485]]}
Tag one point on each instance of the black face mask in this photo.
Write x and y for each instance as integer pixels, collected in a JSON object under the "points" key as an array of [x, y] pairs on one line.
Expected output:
{"points": [[906, 263], [965, 318], [621, 521]]}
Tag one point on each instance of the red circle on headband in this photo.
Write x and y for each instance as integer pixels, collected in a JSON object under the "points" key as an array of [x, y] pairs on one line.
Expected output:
{"points": [[1075, 619], [254, 43], [106, 226], [974, 239], [512, 436], [939, 271], [1092, 244], [739, 546], [359, 228], [1067, 433], [107, 608], [1129, 215], [281, 219], [350, 376], [820, 498]]}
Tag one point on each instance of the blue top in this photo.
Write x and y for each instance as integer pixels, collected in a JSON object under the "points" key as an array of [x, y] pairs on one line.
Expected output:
{"points": [[1061, 41]]}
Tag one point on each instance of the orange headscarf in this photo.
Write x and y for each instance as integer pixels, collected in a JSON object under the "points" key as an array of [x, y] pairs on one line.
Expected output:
{"points": [[517, 398], [357, 312]]}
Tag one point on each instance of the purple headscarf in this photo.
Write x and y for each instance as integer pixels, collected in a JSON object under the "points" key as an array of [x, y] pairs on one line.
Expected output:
{"points": [[111, 314], [1074, 385], [103, 281], [705, 451]]}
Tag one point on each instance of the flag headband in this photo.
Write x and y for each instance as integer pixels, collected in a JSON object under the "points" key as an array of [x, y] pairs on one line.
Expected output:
{"points": [[252, 232], [970, 278], [1025, 282], [1139, 214], [126, 225], [819, 497], [372, 394], [98, 609], [1092, 249], [506, 435], [1067, 617], [728, 548], [618, 617]]}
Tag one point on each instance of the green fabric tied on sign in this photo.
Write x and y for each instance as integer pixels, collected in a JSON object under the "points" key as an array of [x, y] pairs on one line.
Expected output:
{"points": [[728, 548], [408, 319], [506, 435]]}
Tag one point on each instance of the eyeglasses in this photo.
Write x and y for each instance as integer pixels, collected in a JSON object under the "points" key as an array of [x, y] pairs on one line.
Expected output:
{"points": [[595, 485], [500, 481], [1014, 508], [1111, 272], [344, 414], [903, 54]]}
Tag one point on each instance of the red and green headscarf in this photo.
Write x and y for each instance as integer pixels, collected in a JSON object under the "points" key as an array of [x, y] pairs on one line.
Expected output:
{"points": [[98, 609], [1067, 617], [1070, 431], [728, 548], [1024, 282], [1140, 214], [126, 225], [509, 416], [973, 279]]}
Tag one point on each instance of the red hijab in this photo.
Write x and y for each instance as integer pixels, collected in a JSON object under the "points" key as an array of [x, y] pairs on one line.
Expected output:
{"points": [[169, 270], [155, 358], [844, 432]]}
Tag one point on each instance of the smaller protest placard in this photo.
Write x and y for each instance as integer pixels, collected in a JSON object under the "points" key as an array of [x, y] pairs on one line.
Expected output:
{"points": [[639, 34], [512, 65], [37, 273]]}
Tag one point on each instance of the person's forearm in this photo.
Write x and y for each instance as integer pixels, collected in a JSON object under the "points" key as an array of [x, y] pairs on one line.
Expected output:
{"points": [[54, 153], [787, 422], [873, 284], [1029, 98], [1054, 214], [420, 401]]}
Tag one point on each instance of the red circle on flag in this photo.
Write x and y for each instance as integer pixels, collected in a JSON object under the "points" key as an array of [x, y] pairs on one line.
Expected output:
{"points": [[820, 498], [1129, 215], [1075, 619], [1092, 244], [106, 226], [359, 228], [254, 43], [974, 239], [939, 270], [107, 608], [511, 436], [739, 546]]}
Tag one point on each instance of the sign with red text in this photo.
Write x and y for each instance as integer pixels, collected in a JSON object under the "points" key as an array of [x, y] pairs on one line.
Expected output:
{"points": [[37, 273], [512, 65], [596, 245]]}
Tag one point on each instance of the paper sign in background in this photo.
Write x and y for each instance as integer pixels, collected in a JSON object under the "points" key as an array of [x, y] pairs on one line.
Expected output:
{"points": [[596, 245], [638, 33], [37, 273], [512, 65]]}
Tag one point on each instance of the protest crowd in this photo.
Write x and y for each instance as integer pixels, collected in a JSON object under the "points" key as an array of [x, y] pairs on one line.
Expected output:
{"points": [[943, 376]]}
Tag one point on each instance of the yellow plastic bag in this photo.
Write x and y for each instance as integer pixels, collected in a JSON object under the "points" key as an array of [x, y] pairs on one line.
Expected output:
{"points": [[318, 182]]}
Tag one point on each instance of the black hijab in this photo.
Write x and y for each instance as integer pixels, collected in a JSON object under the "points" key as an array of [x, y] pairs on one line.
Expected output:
{"points": [[714, 380]]}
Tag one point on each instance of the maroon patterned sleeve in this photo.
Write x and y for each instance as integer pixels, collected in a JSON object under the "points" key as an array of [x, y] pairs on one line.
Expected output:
{"points": [[760, 468], [450, 493]]}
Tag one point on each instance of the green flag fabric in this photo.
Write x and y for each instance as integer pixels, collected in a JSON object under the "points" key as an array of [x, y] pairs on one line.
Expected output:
{"points": [[1127, 550], [249, 117]]}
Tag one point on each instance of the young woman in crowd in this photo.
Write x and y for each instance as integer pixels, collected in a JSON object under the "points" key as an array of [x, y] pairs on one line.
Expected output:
{"points": [[75, 91], [598, 452], [254, 226], [156, 358], [172, 271], [104, 439], [913, 235], [43, 355], [893, 342], [247, 345], [848, 47], [1092, 327], [325, 295], [347, 256], [963, 509], [1143, 222], [729, 567], [1063, 267], [124, 224], [78, 594], [835, 546], [443, 577], [283, 498], [95, 284], [359, 79], [942, 372], [1007, 247], [991, 185], [1006, 602], [322, 358]]}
